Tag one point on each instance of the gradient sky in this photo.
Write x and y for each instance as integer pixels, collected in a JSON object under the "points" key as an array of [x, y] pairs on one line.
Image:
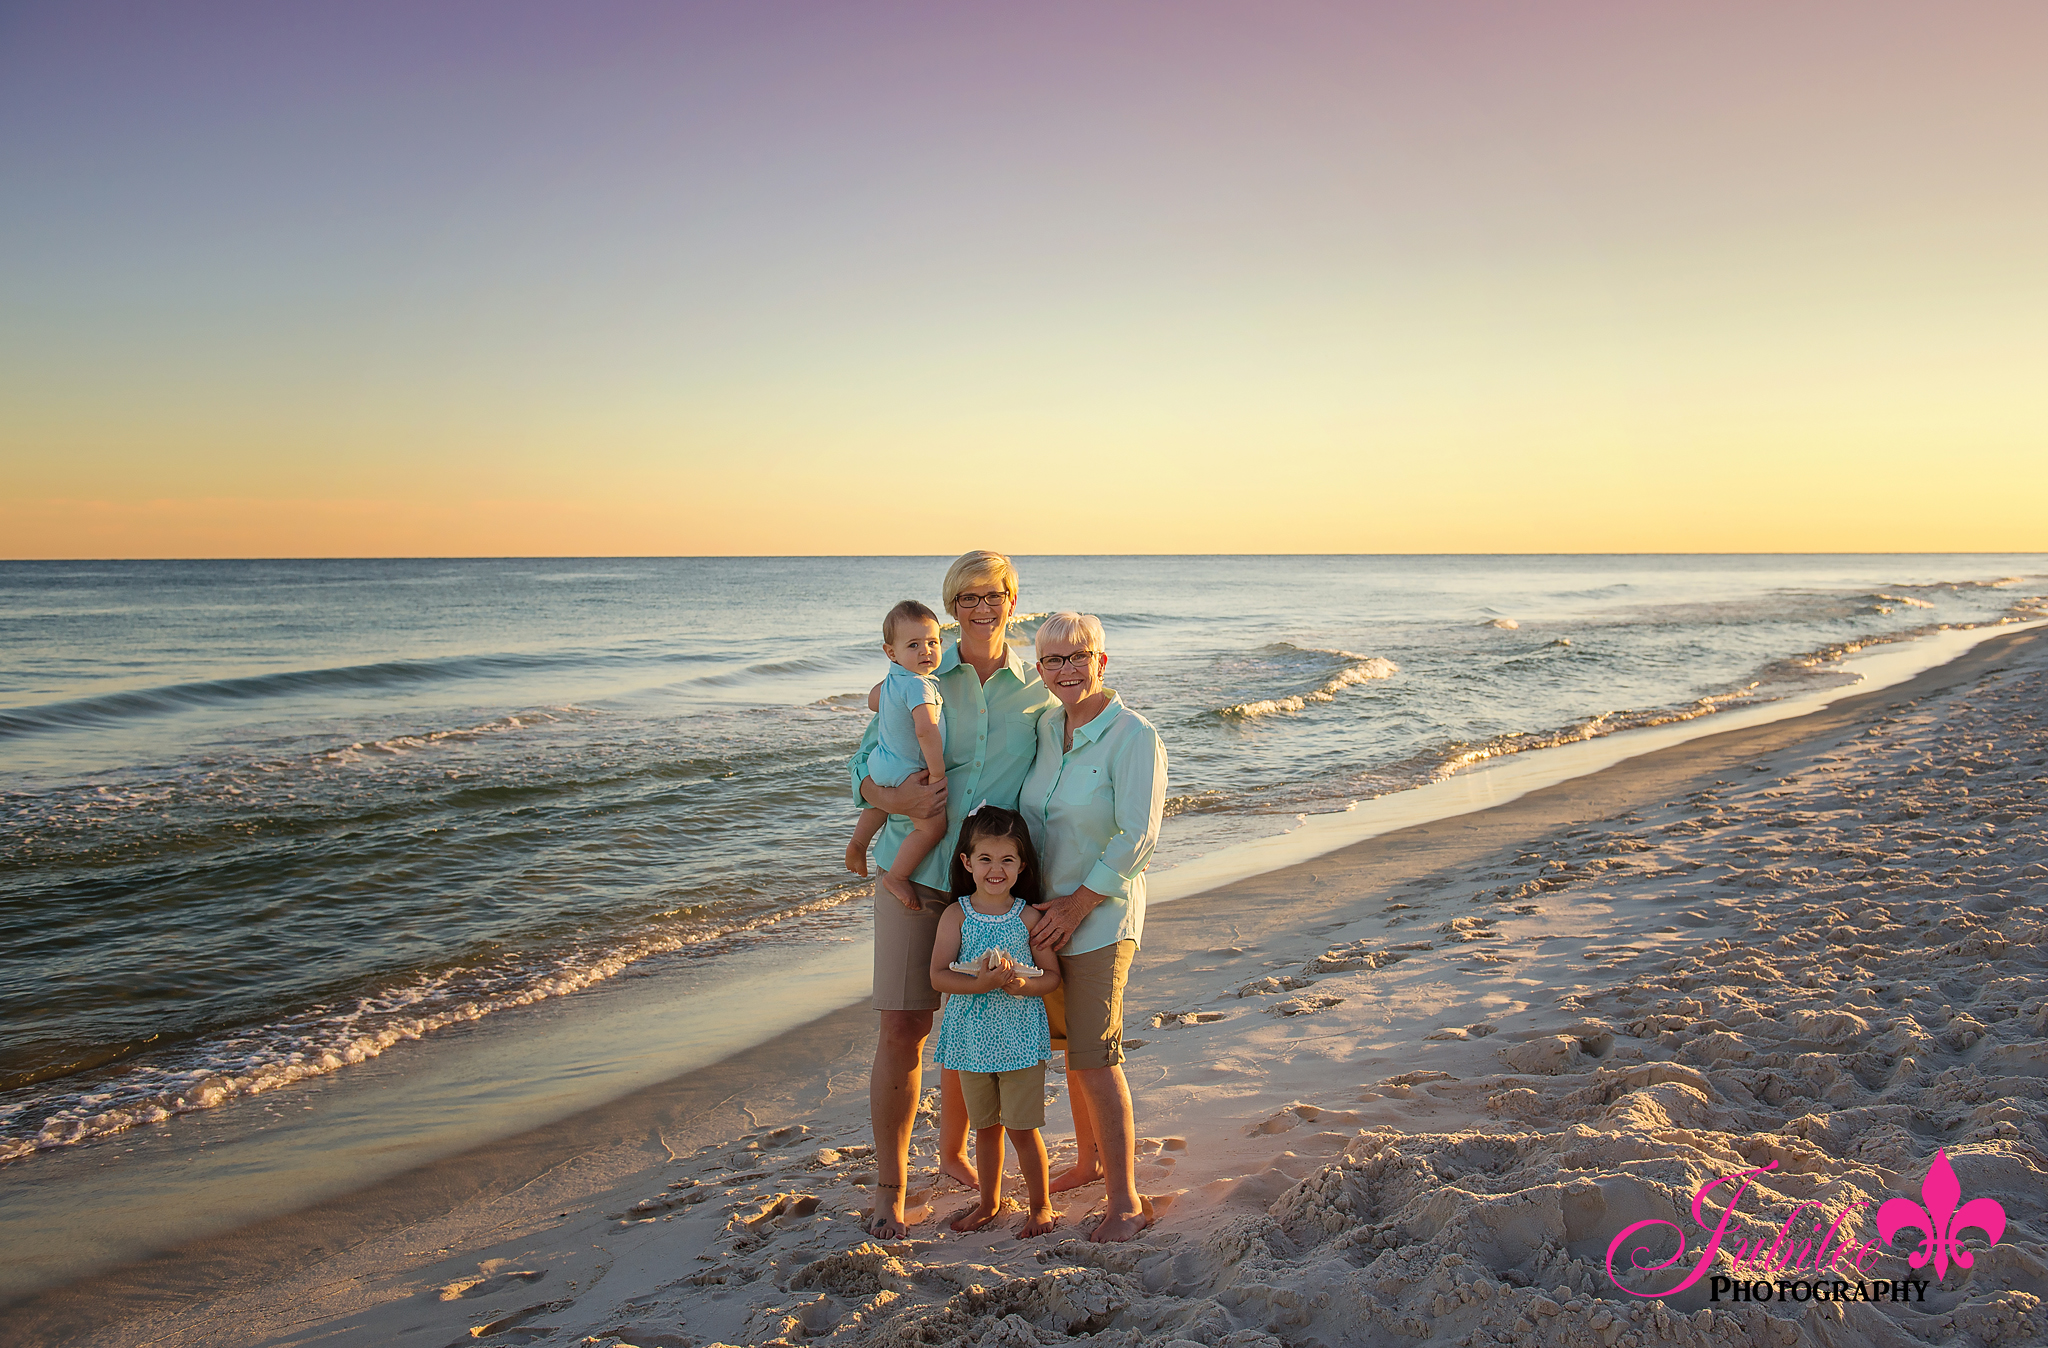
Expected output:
{"points": [[487, 278]]}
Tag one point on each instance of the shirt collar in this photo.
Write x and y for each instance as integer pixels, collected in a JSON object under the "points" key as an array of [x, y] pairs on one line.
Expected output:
{"points": [[1094, 729]]}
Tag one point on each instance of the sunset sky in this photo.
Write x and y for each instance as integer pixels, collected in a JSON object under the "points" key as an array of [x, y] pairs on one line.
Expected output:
{"points": [[490, 278]]}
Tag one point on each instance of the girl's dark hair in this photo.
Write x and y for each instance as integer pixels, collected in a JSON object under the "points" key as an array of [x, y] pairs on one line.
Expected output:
{"points": [[990, 822]]}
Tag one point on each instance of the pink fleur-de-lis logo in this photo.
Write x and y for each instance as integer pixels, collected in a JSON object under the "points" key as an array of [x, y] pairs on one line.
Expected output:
{"points": [[1941, 1219]]}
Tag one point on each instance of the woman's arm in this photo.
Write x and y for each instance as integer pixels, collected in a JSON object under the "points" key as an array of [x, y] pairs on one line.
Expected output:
{"points": [[915, 797], [1137, 780]]}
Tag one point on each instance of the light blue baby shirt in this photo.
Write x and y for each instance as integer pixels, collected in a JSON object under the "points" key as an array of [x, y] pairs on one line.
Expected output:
{"points": [[899, 754]]}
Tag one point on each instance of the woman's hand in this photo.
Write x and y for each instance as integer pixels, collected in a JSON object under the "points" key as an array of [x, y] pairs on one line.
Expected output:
{"points": [[916, 797], [1062, 918]]}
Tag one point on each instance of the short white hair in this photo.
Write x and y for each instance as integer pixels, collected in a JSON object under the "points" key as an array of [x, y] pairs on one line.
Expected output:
{"points": [[1068, 626]]}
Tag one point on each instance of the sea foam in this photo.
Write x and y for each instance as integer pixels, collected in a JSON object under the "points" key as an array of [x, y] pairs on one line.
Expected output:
{"points": [[1357, 669]]}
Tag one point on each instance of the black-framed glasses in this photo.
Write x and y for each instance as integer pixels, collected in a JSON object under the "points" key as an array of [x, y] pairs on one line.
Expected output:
{"points": [[1056, 663], [995, 600]]}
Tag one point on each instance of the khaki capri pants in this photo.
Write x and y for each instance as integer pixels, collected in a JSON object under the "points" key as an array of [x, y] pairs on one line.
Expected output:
{"points": [[1086, 1011]]}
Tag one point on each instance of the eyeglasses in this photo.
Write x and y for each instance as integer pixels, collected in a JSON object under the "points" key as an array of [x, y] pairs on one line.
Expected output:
{"points": [[995, 600], [1056, 663]]}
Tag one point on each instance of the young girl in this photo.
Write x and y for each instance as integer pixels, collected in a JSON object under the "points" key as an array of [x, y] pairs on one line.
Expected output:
{"points": [[994, 1030]]}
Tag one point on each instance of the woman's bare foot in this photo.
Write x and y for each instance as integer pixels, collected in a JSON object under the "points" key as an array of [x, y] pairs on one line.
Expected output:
{"points": [[1042, 1222], [974, 1218], [856, 858], [958, 1168], [900, 887], [885, 1219], [1074, 1178], [1116, 1226]]}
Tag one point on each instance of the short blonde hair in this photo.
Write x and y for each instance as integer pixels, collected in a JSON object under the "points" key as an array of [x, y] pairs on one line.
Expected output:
{"points": [[1085, 628], [978, 568]]}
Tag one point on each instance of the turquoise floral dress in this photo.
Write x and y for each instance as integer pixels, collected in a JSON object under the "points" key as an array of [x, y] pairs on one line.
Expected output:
{"points": [[993, 1031]]}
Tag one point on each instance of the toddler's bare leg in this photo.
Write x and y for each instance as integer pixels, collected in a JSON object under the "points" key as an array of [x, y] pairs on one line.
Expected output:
{"points": [[925, 834], [871, 821]]}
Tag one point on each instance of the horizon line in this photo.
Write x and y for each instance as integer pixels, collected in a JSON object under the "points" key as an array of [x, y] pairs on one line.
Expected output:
{"points": [[925, 556]]}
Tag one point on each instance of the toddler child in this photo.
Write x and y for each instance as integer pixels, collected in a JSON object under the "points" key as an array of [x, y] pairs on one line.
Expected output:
{"points": [[912, 730], [993, 1031]]}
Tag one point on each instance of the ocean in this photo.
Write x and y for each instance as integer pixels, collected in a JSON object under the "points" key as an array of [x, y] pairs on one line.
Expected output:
{"points": [[263, 823]]}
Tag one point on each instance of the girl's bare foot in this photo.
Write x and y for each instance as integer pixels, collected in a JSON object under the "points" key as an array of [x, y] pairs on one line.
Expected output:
{"points": [[957, 1168], [900, 887], [856, 858], [976, 1217], [1042, 1222], [1074, 1178]]}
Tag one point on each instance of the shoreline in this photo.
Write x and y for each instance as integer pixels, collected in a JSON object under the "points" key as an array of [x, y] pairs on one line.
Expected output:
{"points": [[1258, 915], [1501, 780], [1470, 788]]}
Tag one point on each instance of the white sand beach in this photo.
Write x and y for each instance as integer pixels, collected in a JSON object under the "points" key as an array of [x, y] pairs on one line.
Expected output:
{"points": [[1411, 1090]]}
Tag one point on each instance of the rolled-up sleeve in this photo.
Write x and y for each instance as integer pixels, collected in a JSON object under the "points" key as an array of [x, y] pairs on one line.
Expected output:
{"points": [[1137, 779]]}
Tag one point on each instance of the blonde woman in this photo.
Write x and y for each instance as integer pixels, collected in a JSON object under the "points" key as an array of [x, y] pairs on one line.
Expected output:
{"points": [[1093, 801], [994, 699]]}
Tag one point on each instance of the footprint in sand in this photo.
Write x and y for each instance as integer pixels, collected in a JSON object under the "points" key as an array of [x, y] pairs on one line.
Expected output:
{"points": [[1173, 1020], [1260, 987], [1304, 1006]]}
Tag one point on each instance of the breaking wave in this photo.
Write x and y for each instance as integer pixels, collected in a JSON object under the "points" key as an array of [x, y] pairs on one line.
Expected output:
{"points": [[326, 1039], [1354, 670]]}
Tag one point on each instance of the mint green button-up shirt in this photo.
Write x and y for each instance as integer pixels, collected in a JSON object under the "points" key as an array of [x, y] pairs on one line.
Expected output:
{"points": [[1094, 811], [991, 739]]}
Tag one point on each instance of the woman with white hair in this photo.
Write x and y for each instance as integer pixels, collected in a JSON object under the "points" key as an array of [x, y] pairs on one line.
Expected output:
{"points": [[1093, 801]]}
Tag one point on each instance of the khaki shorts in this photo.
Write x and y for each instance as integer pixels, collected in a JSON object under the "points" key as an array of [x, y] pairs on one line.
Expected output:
{"points": [[903, 950], [1086, 1011], [1014, 1099]]}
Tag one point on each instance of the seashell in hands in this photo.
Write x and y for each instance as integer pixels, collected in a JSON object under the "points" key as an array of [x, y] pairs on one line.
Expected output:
{"points": [[989, 960]]}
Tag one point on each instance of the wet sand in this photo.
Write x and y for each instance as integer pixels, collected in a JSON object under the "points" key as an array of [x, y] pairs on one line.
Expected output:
{"points": [[1413, 1088]]}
